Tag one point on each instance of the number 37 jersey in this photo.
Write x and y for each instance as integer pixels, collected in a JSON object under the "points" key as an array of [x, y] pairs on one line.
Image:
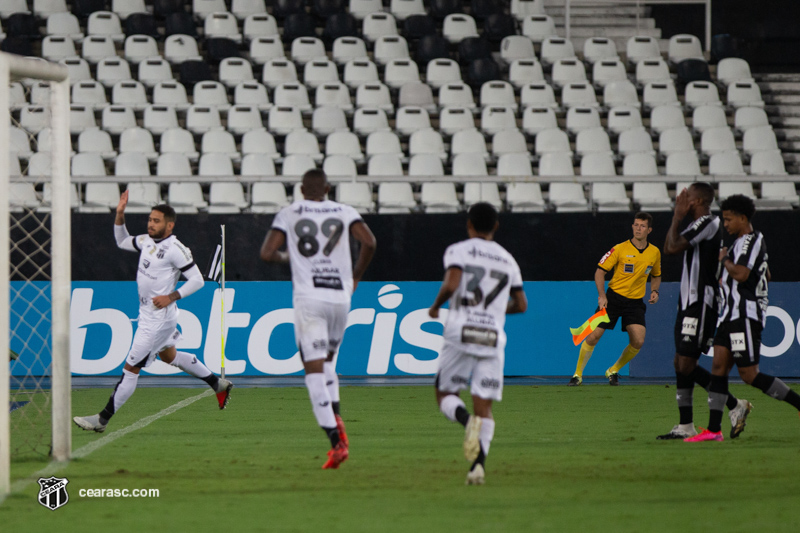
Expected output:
{"points": [[477, 314], [318, 241]]}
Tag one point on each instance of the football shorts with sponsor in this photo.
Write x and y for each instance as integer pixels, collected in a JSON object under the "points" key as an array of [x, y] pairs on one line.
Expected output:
{"points": [[743, 338], [319, 326], [630, 310], [151, 338], [694, 330], [458, 368]]}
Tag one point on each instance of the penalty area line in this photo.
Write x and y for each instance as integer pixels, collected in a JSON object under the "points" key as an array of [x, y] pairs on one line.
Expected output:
{"points": [[54, 467]]}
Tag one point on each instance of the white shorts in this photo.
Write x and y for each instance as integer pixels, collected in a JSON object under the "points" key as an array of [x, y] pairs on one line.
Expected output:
{"points": [[458, 368], [318, 327], [150, 339]]}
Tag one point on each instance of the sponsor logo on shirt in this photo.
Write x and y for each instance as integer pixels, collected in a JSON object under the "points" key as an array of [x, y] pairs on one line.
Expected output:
{"points": [[608, 254], [648, 269], [628, 268]]}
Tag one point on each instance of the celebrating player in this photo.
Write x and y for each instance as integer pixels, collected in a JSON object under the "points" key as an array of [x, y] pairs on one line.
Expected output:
{"points": [[480, 277], [162, 260], [634, 259], [316, 233], [742, 316], [697, 305]]}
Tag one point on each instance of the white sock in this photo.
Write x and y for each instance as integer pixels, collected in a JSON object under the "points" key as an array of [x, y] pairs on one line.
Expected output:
{"points": [[190, 364], [448, 406], [487, 433], [331, 381], [125, 388], [320, 400]]}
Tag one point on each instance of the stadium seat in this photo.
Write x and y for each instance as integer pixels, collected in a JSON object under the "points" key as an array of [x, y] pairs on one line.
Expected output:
{"points": [[159, 118], [211, 93], [554, 48], [374, 95], [399, 72], [469, 141], [497, 118], [338, 143], [744, 94], [639, 48], [582, 118], [592, 141], [733, 69], [767, 163], [666, 117], [538, 94], [456, 94], [515, 47], [425, 165], [139, 22], [402, 9], [131, 164], [556, 164], [684, 46], [349, 48], [717, 140], [597, 164], [395, 198], [294, 95], [88, 164], [100, 197], [498, 93], [599, 49], [259, 142], [268, 197], [552, 141], [652, 70], [89, 93], [455, 119], [186, 196], [77, 67], [47, 196], [277, 71], [417, 94], [509, 142], [760, 139], [426, 141], [244, 118], [298, 25], [96, 47], [234, 70], [657, 94], [219, 48], [620, 93], [458, 26], [675, 140], [219, 142], [106, 24], [700, 93], [356, 194], [339, 165], [480, 71], [19, 142], [202, 118], [215, 164], [194, 72], [297, 165], [138, 140], [333, 94], [111, 70], [514, 165], [142, 196], [431, 47], [538, 27], [634, 141], [439, 197], [118, 118], [536, 119], [250, 94], [389, 47], [689, 70], [362, 8], [178, 141], [522, 197], [375, 25], [368, 120], [319, 72], [58, 47], [264, 49], [683, 164], [245, 8], [566, 71], [623, 118], [469, 165], [339, 25], [610, 197], [639, 164], [153, 71], [778, 195], [726, 164], [283, 120], [129, 93], [357, 72], [750, 117], [180, 23], [729, 188], [384, 165], [568, 197], [384, 142], [204, 8], [259, 25], [226, 198], [328, 119], [170, 94], [305, 49], [607, 71], [475, 192], [708, 117], [651, 196], [578, 95], [524, 71]]}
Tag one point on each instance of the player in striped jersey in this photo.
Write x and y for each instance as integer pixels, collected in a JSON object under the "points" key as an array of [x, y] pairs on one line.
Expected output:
{"points": [[697, 305], [742, 316]]}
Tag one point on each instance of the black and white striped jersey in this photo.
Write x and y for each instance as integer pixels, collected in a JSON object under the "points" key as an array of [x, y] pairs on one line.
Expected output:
{"points": [[700, 262], [747, 299]]}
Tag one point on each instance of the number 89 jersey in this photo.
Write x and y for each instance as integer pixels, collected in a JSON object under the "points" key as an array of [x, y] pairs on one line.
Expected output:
{"points": [[477, 314], [318, 241]]}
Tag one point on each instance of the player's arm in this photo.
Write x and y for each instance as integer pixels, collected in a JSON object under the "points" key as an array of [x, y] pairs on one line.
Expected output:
{"points": [[677, 243], [361, 232], [121, 235], [452, 278], [270, 249], [600, 282], [738, 272], [518, 302], [194, 282]]}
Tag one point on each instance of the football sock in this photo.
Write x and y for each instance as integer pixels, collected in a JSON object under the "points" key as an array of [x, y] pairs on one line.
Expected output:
{"points": [[454, 409], [627, 354], [332, 382], [717, 395], [583, 357], [702, 377], [333, 435], [776, 388], [684, 395], [486, 434], [191, 365], [480, 460], [123, 391], [321, 401]]}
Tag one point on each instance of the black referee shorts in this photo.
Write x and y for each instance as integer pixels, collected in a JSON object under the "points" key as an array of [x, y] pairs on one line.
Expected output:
{"points": [[694, 330], [630, 310]]}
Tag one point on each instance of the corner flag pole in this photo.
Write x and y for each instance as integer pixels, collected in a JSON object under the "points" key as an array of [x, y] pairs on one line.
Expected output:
{"points": [[222, 307]]}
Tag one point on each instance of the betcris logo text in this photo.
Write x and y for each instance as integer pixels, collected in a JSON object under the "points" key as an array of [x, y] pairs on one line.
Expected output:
{"points": [[388, 330]]}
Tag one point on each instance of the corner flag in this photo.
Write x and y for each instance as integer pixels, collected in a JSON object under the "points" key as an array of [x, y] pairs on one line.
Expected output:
{"points": [[214, 270]]}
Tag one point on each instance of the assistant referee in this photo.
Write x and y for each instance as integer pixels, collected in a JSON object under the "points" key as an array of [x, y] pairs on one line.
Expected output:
{"points": [[632, 262]]}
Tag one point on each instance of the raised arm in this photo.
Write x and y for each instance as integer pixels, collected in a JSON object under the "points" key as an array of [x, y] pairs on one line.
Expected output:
{"points": [[677, 243], [123, 238], [361, 232]]}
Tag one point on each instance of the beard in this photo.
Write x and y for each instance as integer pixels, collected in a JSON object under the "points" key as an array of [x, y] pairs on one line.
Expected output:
{"points": [[156, 234]]}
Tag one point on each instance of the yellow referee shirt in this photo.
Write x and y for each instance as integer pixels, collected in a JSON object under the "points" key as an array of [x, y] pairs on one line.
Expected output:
{"points": [[632, 268]]}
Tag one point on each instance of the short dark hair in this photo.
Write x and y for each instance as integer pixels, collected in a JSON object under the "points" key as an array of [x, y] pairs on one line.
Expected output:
{"points": [[315, 173], [167, 211], [741, 204], [704, 191], [641, 215], [483, 217]]}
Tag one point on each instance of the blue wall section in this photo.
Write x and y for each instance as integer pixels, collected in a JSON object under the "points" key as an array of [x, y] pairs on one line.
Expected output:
{"points": [[389, 331]]}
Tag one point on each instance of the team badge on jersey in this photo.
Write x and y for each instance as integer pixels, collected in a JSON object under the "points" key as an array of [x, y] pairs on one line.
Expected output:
{"points": [[53, 492]]}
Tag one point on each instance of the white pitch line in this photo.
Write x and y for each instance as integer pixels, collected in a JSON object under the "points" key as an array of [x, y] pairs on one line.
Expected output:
{"points": [[93, 446]]}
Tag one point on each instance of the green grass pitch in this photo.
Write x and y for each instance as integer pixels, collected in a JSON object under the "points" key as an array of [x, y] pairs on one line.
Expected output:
{"points": [[563, 459]]}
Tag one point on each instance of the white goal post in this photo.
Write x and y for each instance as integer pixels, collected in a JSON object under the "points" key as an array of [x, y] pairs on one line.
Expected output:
{"points": [[13, 67]]}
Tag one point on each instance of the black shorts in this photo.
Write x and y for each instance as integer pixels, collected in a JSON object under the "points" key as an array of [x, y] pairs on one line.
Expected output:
{"points": [[631, 311], [743, 338], [694, 330]]}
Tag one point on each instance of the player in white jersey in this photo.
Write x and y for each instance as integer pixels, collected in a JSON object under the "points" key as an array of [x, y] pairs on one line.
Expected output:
{"points": [[483, 284], [162, 260], [742, 316], [317, 233]]}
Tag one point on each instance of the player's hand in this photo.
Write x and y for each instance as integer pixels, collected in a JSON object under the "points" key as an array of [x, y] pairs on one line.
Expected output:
{"points": [[653, 297], [602, 301], [433, 312], [682, 203], [723, 253], [162, 301], [123, 202]]}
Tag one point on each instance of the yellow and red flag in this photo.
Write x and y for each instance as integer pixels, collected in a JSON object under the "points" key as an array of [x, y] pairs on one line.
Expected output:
{"points": [[583, 331]]}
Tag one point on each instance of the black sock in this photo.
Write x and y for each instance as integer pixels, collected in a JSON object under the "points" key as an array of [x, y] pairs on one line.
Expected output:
{"points": [[731, 402], [333, 435], [335, 406], [481, 460], [212, 380], [793, 399], [701, 376], [108, 410], [717, 394], [685, 386], [776, 388], [686, 415], [462, 415]]}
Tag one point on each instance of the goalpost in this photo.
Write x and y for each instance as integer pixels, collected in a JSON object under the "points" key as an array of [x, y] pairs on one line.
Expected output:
{"points": [[35, 262]]}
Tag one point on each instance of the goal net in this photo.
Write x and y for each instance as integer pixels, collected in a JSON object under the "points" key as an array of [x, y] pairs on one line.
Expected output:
{"points": [[35, 224]]}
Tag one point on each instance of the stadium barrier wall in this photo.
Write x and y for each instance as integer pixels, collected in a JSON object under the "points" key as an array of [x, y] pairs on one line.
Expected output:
{"points": [[389, 332]]}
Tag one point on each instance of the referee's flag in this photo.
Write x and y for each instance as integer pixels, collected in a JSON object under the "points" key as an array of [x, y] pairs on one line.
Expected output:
{"points": [[214, 272]]}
